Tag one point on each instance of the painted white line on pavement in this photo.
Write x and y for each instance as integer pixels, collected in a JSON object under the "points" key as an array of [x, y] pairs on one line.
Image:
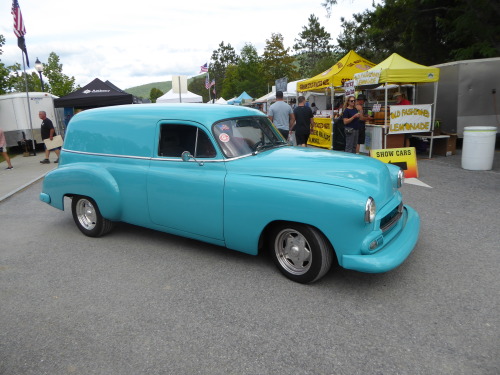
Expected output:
{"points": [[416, 181]]}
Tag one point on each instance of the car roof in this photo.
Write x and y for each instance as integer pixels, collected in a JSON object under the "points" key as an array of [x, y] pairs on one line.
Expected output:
{"points": [[205, 114]]}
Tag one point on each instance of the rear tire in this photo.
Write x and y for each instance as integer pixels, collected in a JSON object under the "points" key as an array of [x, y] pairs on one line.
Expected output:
{"points": [[88, 218], [301, 252]]}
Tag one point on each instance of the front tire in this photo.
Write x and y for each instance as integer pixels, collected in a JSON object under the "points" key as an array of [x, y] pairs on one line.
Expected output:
{"points": [[301, 252], [88, 218]]}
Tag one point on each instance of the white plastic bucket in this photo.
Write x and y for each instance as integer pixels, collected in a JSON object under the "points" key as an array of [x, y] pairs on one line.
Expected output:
{"points": [[478, 147]]}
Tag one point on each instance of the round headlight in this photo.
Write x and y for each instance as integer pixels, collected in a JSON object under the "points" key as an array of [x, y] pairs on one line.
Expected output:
{"points": [[401, 178], [370, 210]]}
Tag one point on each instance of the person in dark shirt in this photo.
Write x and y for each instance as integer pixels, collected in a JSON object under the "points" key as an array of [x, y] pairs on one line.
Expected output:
{"points": [[360, 102], [48, 132], [352, 124], [303, 122]]}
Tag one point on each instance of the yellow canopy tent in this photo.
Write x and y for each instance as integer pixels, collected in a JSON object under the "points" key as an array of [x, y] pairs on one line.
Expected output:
{"points": [[397, 70], [339, 73], [336, 76]]}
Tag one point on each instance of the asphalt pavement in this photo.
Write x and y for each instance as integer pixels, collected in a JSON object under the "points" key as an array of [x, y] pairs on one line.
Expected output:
{"points": [[137, 301]]}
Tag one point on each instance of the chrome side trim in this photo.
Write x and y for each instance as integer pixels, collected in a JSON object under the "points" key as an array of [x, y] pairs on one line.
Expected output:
{"points": [[152, 158], [141, 157], [108, 155]]}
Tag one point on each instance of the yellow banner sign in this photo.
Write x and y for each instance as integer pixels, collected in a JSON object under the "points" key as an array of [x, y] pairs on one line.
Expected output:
{"points": [[405, 158], [370, 77], [410, 118], [321, 133]]}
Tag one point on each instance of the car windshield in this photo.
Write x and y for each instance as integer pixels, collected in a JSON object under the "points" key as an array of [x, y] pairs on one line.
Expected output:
{"points": [[247, 135]]}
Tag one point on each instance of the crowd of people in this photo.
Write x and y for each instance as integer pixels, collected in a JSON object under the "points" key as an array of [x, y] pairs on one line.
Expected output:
{"points": [[295, 121]]}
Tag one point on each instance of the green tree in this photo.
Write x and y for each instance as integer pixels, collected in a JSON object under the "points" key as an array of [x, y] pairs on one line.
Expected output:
{"points": [[197, 86], [17, 82], [222, 57], [313, 44], [59, 84], [155, 94], [426, 31], [277, 62], [246, 76]]}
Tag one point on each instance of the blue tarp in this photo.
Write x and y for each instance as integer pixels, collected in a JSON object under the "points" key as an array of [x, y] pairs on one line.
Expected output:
{"points": [[239, 99]]}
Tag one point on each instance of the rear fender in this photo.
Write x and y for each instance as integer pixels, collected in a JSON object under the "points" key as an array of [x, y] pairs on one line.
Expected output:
{"points": [[87, 180]]}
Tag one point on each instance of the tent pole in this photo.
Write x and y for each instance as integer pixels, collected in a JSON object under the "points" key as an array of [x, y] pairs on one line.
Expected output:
{"points": [[433, 118], [180, 89], [332, 102], [385, 118]]}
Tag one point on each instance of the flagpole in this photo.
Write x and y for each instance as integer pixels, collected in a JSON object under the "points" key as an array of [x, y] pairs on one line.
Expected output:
{"points": [[29, 107], [209, 96]]}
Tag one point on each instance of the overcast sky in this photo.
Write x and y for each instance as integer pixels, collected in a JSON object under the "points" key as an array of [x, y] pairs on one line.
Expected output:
{"points": [[132, 43]]}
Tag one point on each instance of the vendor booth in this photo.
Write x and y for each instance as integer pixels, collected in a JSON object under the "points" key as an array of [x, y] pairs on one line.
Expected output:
{"points": [[393, 123], [95, 94], [240, 99], [289, 96], [183, 97], [328, 83]]}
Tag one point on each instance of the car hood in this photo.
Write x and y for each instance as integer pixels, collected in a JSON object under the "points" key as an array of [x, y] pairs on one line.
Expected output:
{"points": [[357, 172]]}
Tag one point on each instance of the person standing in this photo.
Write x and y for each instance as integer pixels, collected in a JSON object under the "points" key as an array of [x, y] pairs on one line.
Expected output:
{"points": [[314, 109], [281, 115], [48, 132], [360, 101], [303, 122], [352, 125], [3, 150]]}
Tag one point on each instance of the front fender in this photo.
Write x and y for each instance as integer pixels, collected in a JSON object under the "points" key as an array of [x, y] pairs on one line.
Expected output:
{"points": [[83, 179]]}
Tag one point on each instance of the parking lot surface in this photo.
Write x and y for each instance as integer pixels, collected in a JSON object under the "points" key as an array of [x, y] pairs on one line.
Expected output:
{"points": [[143, 302]]}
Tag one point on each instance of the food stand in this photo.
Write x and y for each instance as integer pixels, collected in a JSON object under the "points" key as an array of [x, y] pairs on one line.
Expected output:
{"points": [[394, 122], [331, 80]]}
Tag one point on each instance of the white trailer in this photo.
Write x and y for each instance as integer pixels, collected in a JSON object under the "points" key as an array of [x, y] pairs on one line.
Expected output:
{"points": [[468, 94], [15, 116]]}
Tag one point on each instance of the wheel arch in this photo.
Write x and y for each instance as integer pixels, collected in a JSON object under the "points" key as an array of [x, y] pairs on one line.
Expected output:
{"points": [[87, 181], [264, 236]]}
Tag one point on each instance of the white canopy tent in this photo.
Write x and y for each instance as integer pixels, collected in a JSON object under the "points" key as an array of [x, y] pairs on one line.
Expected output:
{"points": [[185, 97], [221, 100]]}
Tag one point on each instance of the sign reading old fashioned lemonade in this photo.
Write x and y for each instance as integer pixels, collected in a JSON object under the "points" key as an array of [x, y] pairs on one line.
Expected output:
{"points": [[410, 118]]}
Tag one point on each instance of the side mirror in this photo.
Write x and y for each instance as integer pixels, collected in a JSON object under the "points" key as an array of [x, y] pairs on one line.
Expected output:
{"points": [[186, 156]]}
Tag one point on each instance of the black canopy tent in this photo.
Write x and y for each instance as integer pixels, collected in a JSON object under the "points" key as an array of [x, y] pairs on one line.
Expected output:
{"points": [[96, 94]]}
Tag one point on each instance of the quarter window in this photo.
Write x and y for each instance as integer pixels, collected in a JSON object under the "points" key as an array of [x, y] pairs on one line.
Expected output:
{"points": [[175, 139]]}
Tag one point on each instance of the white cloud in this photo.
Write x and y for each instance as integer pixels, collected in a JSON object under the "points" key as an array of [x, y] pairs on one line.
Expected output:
{"points": [[136, 43]]}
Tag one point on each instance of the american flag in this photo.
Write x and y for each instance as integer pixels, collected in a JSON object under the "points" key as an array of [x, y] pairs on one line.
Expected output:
{"points": [[204, 68], [212, 83], [19, 28]]}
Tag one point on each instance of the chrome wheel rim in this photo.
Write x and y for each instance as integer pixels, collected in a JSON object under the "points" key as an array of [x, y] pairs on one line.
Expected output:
{"points": [[293, 251], [86, 214]]}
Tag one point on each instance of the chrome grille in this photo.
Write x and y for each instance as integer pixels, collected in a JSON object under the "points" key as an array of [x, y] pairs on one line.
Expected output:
{"points": [[392, 218]]}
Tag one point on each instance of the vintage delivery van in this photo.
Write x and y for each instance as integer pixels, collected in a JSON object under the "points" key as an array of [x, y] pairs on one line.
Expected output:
{"points": [[224, 175]]}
